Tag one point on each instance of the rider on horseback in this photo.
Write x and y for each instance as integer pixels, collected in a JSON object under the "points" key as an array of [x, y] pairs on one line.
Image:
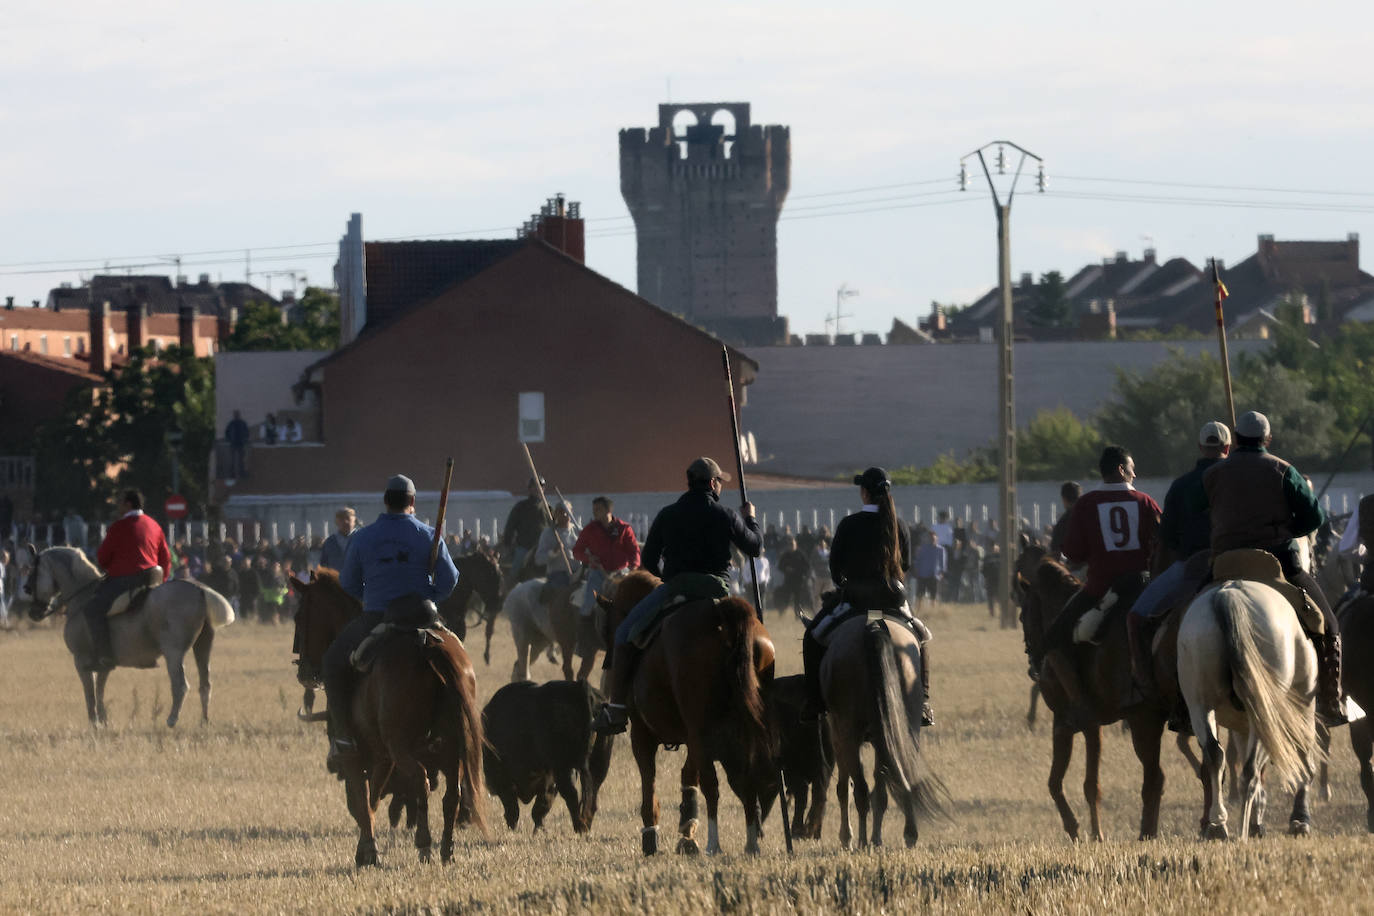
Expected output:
{"points": [[133, 546], [1259, 500], [691, 537], [386, 561], [869, 558], [1112, 530], [1185, 530], [523, 527]]}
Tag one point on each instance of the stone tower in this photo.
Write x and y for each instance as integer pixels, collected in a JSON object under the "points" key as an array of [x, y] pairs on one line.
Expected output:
{"points": [[705, 202]]}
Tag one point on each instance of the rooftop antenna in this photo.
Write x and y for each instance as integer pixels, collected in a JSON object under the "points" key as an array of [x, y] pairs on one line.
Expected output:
{"points": [[841, 294]]}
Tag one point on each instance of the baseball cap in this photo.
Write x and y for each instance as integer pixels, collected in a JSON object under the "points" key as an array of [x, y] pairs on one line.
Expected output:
{"points": [[705, 469], [1214, 434], [874, 480], [1253, 425], [401, 483]]}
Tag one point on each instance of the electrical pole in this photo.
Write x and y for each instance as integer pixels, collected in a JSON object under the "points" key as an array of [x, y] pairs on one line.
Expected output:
{"points": [[1006, 376], [841, 294]]}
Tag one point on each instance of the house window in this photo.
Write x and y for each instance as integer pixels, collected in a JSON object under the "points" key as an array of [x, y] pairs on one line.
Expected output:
{"points": [[14, 341], [43, 344], [66, 346], [531, 416]]}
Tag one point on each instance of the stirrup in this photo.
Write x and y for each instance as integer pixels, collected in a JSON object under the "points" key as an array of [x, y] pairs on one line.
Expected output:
{"points": [[927, 716], [1333, 717], [341, 751]]}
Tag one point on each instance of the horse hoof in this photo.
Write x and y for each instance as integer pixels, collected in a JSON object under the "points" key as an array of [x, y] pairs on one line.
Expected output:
{"points": [[426, 854], [171, 721], [366, 855], [713, 849], [686, 846], [1299, 828], [648, 840], [1216, 832], [446, 853], [1258, 831]]}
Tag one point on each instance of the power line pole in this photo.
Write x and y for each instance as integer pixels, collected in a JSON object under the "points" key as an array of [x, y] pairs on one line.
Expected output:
{"points": [[1006, 377]]}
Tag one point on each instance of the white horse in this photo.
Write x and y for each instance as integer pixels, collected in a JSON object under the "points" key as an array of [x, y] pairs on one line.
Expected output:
{"points": [[179, 615], [530, 626], [1245, 664]]}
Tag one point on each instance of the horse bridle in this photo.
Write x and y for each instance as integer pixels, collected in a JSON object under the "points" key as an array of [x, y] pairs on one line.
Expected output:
{"points": [[56, 601]]}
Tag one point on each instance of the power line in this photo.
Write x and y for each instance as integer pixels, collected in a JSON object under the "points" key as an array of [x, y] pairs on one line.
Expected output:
{"points": [[1215, 187], [1298, 206]]}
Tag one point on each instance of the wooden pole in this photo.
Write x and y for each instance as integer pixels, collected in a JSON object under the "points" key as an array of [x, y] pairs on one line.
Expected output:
{"points": [[1221, 294], [548, 513], [439, 521]]}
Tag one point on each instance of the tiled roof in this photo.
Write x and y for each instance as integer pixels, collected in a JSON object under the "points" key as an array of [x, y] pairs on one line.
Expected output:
{"points": [[401, 275], [161, 296], [74, 367]]}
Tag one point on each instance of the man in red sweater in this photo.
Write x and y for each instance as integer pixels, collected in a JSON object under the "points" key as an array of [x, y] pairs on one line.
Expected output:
{"points": [[133, 545], [1112, 530], [607, 545]]}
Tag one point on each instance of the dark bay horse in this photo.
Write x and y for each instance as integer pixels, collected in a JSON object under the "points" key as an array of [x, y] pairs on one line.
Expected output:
{"points": [[1357, 634], [416, 706], [871, 681], [178, 615], [480, 575], [1044, 585], [701, 683]]}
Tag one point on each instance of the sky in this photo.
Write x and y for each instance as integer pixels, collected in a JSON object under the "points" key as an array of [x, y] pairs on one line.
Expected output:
{"points": [[137, 132]]}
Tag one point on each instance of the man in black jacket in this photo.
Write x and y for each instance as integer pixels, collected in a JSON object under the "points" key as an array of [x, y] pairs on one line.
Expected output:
{"points": [[690, 538], [523, 527]]}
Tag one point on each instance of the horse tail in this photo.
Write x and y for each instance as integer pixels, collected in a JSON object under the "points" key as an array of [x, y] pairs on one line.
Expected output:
{"points": [[464, 719], [1281, 718], [218, 610], [895, 709], [745, 703]]}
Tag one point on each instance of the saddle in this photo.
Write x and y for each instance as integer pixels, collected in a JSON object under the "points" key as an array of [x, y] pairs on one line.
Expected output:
{"points": [[683, 589], [366, 653], [1255, 565], [835, 610], [132, 600], [1121, 595]]}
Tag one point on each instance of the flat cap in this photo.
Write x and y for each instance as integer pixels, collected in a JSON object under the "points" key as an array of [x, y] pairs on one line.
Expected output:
{"points": [[1253, 425], [401, 483]]}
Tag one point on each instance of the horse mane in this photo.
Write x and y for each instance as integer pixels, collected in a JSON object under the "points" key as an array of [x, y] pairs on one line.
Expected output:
{"points": [[1053, 574], [76, 559]]}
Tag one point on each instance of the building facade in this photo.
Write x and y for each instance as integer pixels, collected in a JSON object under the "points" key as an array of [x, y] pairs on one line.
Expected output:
{"points": [[705, 188]]}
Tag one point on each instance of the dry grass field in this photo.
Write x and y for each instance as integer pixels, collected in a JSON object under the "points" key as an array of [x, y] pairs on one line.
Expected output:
{"points": [[241, 816]]}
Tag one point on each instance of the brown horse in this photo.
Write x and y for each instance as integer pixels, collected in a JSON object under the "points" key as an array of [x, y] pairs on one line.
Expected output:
{"points": [[1357, 633], [701, 682], [1044, 586], [416, 705], [871, 681]]}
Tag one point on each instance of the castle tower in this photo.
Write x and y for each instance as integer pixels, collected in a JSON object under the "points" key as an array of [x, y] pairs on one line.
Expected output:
{"points": [[705, 201]]}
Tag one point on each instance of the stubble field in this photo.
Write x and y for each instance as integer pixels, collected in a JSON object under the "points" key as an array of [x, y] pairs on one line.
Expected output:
{"points": [[240, 815]]}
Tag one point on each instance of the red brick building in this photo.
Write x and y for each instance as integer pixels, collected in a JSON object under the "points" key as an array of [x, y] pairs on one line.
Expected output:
{"points": [[630, 393]]}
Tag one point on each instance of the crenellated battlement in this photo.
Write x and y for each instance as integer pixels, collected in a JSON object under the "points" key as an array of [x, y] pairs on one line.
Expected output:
{"points": [[705, 187]]}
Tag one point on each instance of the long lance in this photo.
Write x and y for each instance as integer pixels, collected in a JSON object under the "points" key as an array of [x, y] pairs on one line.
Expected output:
{"points": [[439, 520], [548, 513], [1221, 294], [577, 522], [753, 570], [1344, 455]]}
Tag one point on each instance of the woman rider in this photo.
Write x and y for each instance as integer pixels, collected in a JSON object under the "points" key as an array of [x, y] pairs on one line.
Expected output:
{"points": [[869, 557]]}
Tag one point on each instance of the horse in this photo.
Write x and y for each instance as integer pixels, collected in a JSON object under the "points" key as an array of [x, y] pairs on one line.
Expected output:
{"points": [[871, 682], [416, 706], [1043, 586], [701, 682], [1244, 663], [178, 615], [1357, 635], [480, 575], [537, 626]]}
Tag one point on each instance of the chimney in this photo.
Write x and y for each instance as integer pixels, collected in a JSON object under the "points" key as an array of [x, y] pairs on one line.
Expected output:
{"points": [[135, 312], [100, 337], [228, 317], [1122, 257], [1150, 255], [559, 223], [9, 303], [1027, 281], [186, 327]]}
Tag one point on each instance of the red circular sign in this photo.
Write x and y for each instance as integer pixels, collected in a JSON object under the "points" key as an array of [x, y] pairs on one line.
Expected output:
{"points": [[176, 507]]}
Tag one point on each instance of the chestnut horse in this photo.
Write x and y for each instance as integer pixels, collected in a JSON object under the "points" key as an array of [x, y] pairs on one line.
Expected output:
{"points": [[416, 705], [1044, 585], [701, 683]]}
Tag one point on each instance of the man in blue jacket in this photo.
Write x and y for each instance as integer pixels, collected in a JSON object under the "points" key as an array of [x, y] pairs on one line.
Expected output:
{"points": [[386, 561]]}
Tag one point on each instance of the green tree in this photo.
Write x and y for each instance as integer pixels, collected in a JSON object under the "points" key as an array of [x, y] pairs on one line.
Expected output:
{"points": [[263, 326], [123, 427], [1052, 308], [1056, 445], [1157, 414], [1338, 369], [977, 467]]}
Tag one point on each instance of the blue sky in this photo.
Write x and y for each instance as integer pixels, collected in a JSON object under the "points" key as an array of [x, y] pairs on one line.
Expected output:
{"points": [[143, 130]]}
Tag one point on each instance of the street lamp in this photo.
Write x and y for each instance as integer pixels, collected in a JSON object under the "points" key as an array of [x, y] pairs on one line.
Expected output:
{"points": [[1006, 401], [174, 437]]}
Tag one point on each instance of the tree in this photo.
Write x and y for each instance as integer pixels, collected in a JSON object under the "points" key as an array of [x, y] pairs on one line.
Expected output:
{"points": [[1057, 445], [263, 326], [121, 428], [1157, 414], [1052, 308], [1337, 368]]}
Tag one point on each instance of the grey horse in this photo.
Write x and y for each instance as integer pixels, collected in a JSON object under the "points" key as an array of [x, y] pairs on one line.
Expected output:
{"points": [[179, 615]]}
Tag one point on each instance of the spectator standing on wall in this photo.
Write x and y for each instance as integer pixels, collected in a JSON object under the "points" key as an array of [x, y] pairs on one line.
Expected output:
{"points": [[237, 435]]}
